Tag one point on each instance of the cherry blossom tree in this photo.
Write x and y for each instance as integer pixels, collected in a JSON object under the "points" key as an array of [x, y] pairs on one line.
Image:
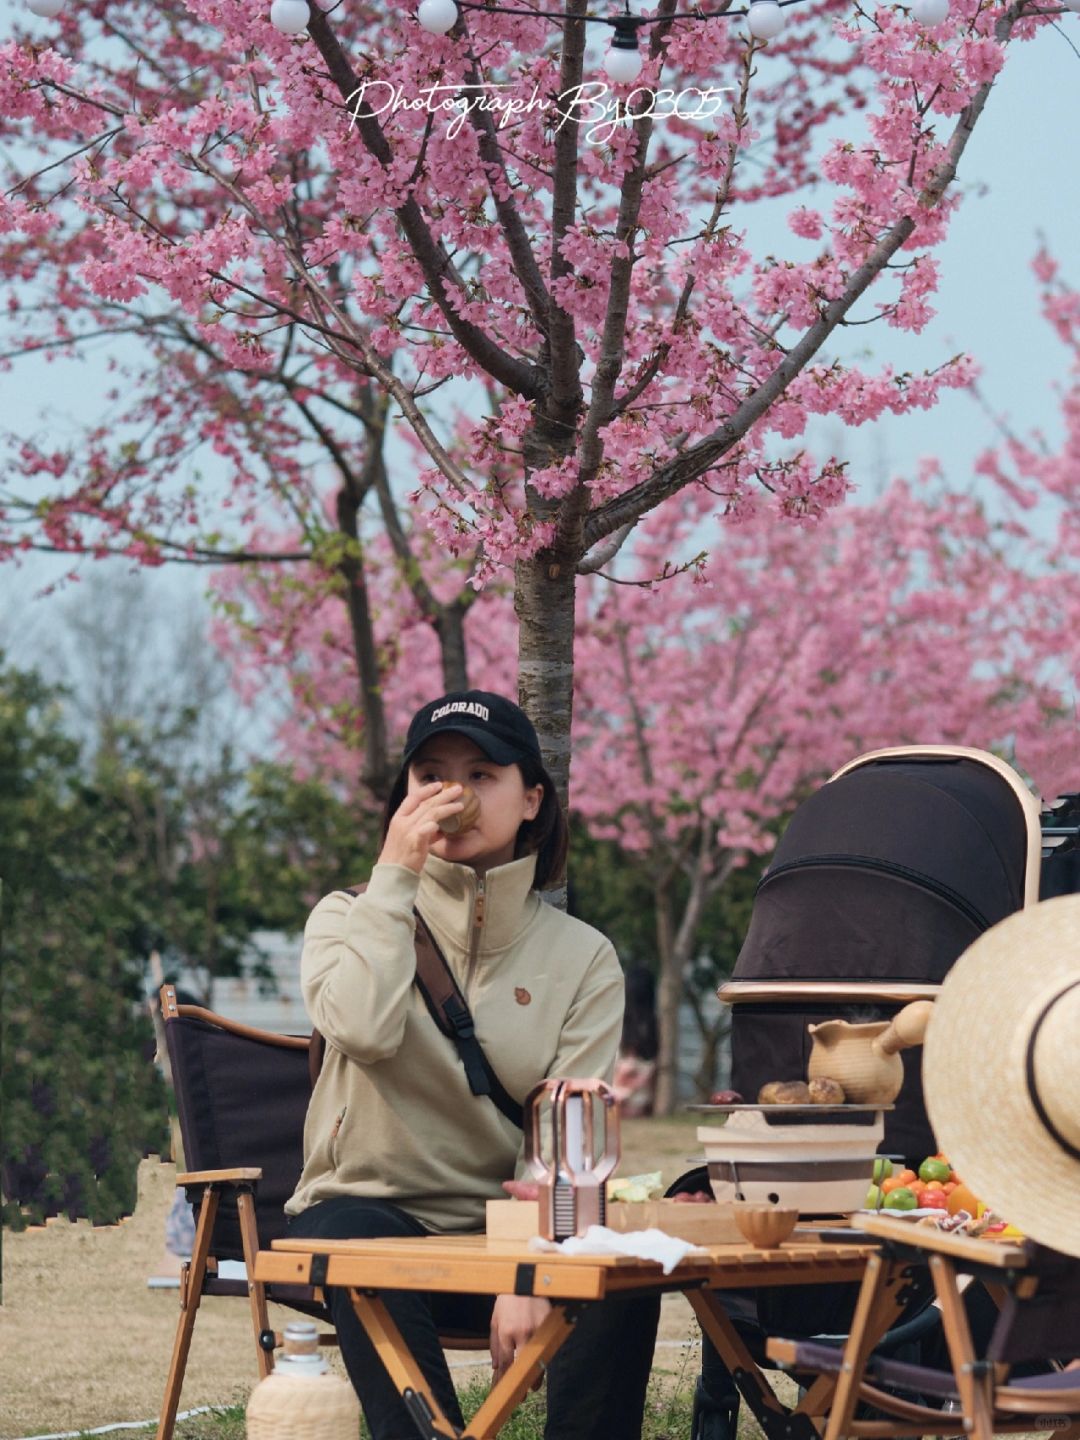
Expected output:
{"points": [[299, 237]]}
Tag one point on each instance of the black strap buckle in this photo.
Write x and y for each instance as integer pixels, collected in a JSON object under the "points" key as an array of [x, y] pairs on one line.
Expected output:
{"points": [[459, 1017]]}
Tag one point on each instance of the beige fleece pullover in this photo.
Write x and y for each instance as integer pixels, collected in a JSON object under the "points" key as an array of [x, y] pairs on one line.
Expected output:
{"points": [[392, 1115]]}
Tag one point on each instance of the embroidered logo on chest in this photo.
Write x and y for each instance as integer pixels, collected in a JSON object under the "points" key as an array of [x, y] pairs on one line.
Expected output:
{"points": [[521, 995]]}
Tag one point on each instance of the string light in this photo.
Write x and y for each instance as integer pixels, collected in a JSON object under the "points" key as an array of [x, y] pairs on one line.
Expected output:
{"points": [[437, 16], [290, 16], [623, 59], [765, 19]]}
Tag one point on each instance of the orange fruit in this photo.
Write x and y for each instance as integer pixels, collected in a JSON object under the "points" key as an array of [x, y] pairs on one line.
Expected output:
{"points": [[916, 1186], [962, 1198]]}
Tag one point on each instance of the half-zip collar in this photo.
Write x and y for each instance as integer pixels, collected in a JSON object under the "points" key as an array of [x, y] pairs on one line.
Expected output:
{"points": [[483, 915]]}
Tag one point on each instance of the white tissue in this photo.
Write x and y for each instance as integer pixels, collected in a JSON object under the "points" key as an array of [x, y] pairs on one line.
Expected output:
{"points": [[667, 1250]]}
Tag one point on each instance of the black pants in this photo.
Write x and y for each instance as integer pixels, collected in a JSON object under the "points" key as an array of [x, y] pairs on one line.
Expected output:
{"points": [[595, 1382]]}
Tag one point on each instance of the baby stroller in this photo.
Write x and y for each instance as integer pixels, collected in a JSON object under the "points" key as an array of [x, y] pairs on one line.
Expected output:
{"points": [[880, 882]]}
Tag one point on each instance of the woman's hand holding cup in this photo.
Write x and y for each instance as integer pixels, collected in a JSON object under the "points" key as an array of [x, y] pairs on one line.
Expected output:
{"points": [[467, 816], [417, 822]]}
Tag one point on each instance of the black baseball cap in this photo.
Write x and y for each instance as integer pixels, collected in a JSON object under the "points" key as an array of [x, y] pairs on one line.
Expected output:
{"points": [[501, 729]]}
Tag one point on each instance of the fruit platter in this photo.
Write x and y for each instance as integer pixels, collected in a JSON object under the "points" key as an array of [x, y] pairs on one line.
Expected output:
{"points": [[934, 1194]]}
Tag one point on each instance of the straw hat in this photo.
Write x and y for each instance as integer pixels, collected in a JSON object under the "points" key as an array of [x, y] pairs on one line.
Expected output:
{"points": [[1001, 1070]]}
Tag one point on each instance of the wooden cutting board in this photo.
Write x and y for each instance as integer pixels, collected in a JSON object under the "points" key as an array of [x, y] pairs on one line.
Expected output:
{"points": [[703, 1224]]}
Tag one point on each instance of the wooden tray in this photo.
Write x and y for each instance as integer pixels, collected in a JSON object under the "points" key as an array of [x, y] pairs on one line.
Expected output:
{"points": [[702, 1224]]}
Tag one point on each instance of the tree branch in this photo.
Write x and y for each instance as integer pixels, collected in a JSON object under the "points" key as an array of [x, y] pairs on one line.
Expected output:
{"points": [[613, 337], [694, 462], [517, 239], [433, 260], [565, 352]]}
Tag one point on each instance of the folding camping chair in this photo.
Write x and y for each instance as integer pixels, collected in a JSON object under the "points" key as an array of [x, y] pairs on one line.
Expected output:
{"points": [[242, 1096], [1038, 1291]]}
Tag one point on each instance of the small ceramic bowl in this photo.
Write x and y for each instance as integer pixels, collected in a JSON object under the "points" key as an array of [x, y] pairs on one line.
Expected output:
{"points": [[765, 1226]]}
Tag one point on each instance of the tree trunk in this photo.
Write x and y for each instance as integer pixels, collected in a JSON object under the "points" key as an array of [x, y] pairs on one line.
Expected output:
{"points": [[668, 998], [450, 628], [707, 1077], [544, 602], [676, 952], [376, 772]]}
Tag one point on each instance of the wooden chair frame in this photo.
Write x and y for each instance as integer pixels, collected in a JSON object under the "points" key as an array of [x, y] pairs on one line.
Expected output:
{"points": [[198, 1276], [195, 1273], [989, 1405]]}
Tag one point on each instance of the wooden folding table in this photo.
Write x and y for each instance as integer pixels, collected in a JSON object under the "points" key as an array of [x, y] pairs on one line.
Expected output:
{"points": [[475, 1265]]}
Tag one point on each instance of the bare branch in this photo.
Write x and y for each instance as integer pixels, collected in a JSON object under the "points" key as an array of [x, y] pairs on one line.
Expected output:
{"points": [[606, 552]]}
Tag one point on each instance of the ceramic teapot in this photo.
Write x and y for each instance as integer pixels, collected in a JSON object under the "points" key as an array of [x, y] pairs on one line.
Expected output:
{"points": [[866, 1058]]}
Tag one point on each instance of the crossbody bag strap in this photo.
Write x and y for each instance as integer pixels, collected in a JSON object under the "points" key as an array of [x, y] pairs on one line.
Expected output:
{"points": [[448, 1009]]}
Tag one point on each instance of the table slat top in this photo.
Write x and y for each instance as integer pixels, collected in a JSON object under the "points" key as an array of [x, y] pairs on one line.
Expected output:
{"points": [[792, 1255]]}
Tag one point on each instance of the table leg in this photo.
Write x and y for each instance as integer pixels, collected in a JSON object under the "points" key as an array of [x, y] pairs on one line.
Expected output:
{"points": [[526, 1368], [392, 1350], [773, 1417], [975, 1389], [876, 1309], [528, 1365], [817, 1401]]}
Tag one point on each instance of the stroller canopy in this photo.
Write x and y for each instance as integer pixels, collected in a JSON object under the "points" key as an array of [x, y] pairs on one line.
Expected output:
{"points": [[888, 873]]}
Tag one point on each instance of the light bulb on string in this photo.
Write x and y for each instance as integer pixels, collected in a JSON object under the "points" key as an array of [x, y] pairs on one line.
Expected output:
{"points": [[623, 60], [930, 12], [47, 9], [290, 16], [764, 19], [437, 17], [326, 4]]}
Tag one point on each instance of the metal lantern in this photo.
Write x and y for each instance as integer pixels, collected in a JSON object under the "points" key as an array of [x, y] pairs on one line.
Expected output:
{"points": [[566, 1123]]}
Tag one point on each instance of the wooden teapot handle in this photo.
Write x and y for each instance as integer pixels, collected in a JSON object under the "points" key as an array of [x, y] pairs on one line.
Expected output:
{"points": [[907, 1028]]}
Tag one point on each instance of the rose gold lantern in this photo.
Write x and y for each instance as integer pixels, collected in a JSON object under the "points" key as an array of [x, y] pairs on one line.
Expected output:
{"points": [[563, 1156]]}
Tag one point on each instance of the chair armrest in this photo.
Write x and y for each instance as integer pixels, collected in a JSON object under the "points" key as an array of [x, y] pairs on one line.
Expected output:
{"points": [[219, 1177], [784, 1352]]}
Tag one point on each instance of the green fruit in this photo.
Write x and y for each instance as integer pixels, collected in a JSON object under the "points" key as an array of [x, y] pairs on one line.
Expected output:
{"points": [[883, 1168], [901, 1199], [935, 1170], [873, 1198]]}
